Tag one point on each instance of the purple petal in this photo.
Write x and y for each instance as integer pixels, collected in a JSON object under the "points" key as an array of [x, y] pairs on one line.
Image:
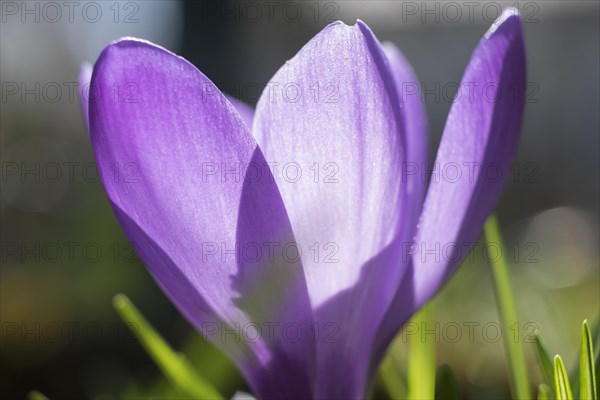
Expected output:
{"points": [[166, 143], [85, 77], [481, 132], [480, 137], [332, 115], [415, 120], [244, 110]]}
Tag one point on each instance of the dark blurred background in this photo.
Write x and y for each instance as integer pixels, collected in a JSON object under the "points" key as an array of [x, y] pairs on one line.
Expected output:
{"points": [[64, 255]]}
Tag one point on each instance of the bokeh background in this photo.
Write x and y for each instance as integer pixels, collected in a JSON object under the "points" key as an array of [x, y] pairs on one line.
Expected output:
{"points": [[64, 255]]}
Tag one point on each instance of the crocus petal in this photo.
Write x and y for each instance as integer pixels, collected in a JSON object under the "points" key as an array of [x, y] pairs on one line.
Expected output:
{"points": [[85, 77], [244, 110], [415, 120], [331, 127], [479, 139], [170, 149], [481, 133]]}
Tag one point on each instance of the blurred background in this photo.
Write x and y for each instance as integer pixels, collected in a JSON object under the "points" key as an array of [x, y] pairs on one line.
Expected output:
{"points": [[64, 255]]}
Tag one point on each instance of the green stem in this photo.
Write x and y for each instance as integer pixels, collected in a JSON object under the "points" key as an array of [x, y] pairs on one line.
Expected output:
{"points": [[421, 355], [508, 314]]}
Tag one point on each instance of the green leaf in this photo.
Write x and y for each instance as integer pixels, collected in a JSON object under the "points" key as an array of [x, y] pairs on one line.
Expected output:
{"points": [[173, 365], [445, 384], [596, 335], [575, 371], [597, 375], [421, 356], [545, 362], [587, 376], [561, 380], [391, 378], [543, 392], [519, 381], [35, 395]]}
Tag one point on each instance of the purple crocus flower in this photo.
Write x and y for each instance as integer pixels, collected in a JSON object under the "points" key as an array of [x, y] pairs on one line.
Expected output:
{"points": [[225, 199]]}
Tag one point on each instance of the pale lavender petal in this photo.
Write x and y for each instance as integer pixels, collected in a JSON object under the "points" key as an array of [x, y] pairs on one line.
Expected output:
{"points": [[189, 184], [480, 137], [331, 126], [415, 120], [85, 77]]}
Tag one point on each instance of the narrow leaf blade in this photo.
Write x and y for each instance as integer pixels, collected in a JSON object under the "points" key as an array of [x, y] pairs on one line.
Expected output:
{"points": [[543, 392], [392, 379], [173, 365], [575, 372], [561, 380], [545, 362], [587, 378], [35, 395], [597, 375], [421, 356], [519, 381], [445, 384]]}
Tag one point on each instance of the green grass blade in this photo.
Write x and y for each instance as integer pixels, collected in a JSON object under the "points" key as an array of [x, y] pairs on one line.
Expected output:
{"points": [[173, 365], [598, 375], [575, 372], [545, 362], [544, 392], [445, 384], [596, 335], [514, 350], [35, 395], [587, 375], [392, 379], [421, 356], [561, 380]]}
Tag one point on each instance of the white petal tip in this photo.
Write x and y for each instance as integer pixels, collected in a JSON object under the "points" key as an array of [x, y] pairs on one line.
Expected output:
{"points": [[506, 15]]}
